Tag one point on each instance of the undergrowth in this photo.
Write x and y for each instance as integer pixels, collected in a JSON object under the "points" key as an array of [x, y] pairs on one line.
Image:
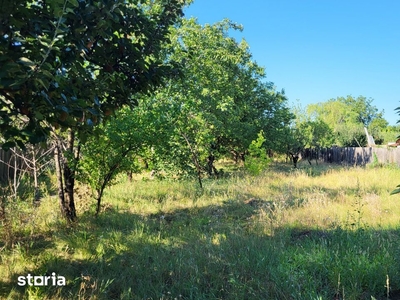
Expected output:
{"points": [[320, 232]]}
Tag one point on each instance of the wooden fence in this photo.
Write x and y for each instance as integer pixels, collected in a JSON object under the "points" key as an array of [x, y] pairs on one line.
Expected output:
{"points": [[357, 156]]}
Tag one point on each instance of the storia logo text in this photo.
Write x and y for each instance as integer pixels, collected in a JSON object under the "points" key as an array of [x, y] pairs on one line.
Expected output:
{"points": [[54, 280]]}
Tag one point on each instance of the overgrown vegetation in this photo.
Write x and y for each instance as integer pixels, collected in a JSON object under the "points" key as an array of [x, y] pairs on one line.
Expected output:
{"points": [[317, 232], [114, 89]]}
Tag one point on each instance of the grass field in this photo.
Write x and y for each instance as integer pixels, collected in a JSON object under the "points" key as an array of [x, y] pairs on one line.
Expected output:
{"points": [[319, 232]]}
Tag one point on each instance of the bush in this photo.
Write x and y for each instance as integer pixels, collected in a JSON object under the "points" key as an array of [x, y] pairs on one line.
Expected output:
{"points": [[257, 160]]}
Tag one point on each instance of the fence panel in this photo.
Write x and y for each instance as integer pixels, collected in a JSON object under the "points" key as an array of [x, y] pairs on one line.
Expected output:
{"points": [[358, 156]]}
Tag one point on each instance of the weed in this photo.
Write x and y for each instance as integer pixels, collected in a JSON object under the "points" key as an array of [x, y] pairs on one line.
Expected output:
{"points": [[318, 233]]}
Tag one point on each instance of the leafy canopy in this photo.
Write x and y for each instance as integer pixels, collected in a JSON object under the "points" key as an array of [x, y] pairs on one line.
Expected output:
{"points": [[347, 117], [223, 100], [71, 63]]}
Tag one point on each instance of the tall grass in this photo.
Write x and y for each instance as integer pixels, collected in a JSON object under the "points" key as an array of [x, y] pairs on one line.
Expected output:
{"points": [[320, 232]]}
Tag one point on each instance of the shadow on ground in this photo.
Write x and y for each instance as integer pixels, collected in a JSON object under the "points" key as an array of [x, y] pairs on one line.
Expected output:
{"points": [[212, 252]]}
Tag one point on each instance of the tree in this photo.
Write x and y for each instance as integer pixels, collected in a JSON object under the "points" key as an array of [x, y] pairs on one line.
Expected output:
{"points": [[70, 64], [305, 135], [257, 159], [396, 191], [377, 128], [314, 136], [347, 117], [223, 101], [389, 134], [218, 105], [115, 150]]}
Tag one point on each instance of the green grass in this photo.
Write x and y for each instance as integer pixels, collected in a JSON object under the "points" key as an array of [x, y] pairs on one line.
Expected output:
{"points": [[320, 232]]}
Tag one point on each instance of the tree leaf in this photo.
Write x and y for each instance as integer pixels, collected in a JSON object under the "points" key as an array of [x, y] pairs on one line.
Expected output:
{"points": [[26, 62], [6, 146], [396, 191]]}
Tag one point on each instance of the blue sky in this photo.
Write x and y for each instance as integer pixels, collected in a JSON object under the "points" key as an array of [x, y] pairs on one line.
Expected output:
{"points": [[322, 49]]}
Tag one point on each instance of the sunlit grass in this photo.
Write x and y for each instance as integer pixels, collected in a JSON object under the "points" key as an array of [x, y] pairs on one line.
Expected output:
{"points": [[318, 231]]}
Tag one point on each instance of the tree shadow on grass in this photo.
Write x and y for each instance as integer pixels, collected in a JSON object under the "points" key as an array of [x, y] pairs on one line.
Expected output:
{"points": [[152, 257], [212, 252], [26, 247]]}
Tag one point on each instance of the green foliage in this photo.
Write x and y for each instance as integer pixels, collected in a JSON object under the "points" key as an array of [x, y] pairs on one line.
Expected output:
{"points": [[70, 64], [221, 103], [116, 150], [351, 135], [256, 148], [257, 160], [396, 191], [347, 117], [303, 133], [389, 134], [377, 129], [316, 134]]}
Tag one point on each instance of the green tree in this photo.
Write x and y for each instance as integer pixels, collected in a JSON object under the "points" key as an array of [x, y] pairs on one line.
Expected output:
{"points": [[377, 128], [69, 64], [316, 132], [347, 117], [219, 105], [115, 149], [390, 134], [397, 191], [257, 159], [293, 143], [305, 134], [223, 101]]}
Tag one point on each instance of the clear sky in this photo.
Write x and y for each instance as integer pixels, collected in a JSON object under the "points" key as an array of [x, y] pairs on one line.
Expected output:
{"points": [[320, 49]]}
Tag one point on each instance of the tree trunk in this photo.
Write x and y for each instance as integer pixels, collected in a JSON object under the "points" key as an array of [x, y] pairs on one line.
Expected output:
{"points": [[107, 178], [69, 176], [69, 193], [60, 184], [130, 174], [210, 163], [195, 160], [210, 166], [66, 177], [295, 158], [243, 157]]}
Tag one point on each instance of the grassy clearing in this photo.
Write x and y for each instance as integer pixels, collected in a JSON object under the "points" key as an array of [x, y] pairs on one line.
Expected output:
{"points": [[320, 232]]}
